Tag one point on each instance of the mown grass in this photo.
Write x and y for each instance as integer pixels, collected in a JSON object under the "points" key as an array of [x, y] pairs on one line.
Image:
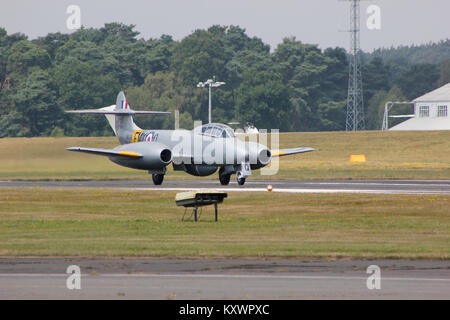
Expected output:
{"points": [[82, 222], [390, 155]]}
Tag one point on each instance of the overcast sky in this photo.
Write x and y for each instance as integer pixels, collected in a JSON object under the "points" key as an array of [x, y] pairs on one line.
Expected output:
{"points": [[313, 21]]}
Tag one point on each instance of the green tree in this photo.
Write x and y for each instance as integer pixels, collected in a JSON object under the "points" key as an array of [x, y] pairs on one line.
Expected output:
{"points": [[332, 115], [236, 40], [24, 56], [199, 56], [376, 77], [415, 54], [303, 68], [35, 111], [120, 30], [263, 99], [83, 85], [164, 92], [296, 87], [138, 58], [334, 82], [418, 80], [445, 73], [51, 42]]}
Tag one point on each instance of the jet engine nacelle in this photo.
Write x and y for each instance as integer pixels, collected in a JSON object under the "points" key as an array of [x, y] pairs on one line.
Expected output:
{"points": [[263, 157], [155, 156]]}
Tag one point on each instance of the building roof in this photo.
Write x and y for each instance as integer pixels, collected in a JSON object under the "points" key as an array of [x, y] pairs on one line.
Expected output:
{"points": [[416, 124], [438, 95]]}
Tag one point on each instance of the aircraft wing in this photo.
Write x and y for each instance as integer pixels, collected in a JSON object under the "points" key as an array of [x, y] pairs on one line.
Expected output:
{"points": [[288, 152], [107, 152]]}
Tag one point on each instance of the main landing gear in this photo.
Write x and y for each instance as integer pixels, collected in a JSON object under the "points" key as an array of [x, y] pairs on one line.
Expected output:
{"points": [[224, 178], [157, 179], [158, 176]]}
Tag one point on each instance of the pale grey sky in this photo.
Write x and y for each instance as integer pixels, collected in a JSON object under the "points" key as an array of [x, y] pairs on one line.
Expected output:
{"points": [[313, 21]]}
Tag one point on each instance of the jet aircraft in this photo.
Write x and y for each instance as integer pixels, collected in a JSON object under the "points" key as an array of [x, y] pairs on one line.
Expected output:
{"points": [[199, 152]]}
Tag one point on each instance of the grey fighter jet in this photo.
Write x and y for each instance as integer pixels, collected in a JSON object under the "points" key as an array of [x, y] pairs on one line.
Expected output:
{"points": [[199, 152]]}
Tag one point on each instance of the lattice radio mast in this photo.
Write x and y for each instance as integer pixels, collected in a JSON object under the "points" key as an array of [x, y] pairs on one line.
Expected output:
{"points": [[355, 102]]}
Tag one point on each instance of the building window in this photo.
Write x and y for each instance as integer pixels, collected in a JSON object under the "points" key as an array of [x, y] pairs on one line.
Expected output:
{"points": [[424, 111], [442, 111]]}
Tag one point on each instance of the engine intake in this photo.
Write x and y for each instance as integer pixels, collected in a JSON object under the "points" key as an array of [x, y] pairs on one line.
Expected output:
{"points": [[166, 156], [264, 157]]}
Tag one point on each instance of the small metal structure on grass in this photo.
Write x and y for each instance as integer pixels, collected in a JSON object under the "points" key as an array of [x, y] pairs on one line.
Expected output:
{"points": [[387, 107], [196, 199]]}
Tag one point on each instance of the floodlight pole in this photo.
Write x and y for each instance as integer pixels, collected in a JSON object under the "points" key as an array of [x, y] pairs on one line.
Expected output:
{"points": [[209, 104], [210, 83]]}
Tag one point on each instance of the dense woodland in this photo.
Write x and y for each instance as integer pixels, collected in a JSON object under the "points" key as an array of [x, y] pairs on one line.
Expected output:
{"points": [[294, 87]]}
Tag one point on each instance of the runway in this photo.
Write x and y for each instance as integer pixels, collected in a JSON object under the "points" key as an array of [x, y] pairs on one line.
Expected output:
{"points": [[163, 278], [288, 186]]}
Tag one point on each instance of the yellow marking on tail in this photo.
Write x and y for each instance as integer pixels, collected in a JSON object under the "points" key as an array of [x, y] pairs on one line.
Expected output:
{"points": [[135, 137]]}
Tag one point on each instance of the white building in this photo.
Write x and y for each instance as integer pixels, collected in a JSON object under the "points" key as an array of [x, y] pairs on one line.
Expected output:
{"points": [[431, 112]]}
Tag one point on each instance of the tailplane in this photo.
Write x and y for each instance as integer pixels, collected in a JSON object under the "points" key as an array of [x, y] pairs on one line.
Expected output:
{"points": [[120, 117]]}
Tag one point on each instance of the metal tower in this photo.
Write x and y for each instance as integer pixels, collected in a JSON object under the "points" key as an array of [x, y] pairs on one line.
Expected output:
{"points": [[355, 103]]}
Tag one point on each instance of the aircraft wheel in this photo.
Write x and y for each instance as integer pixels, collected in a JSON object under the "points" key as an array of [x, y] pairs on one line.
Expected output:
{"points": [[241, 181], [224, 179], [157, 179]]}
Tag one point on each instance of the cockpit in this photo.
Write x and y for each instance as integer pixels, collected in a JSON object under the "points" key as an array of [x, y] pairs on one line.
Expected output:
{"points": [[217, 130]]}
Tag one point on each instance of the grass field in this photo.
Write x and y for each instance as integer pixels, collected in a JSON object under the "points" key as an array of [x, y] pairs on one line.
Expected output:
{"points": [[81, 222], [390, 155], [53, 222]]}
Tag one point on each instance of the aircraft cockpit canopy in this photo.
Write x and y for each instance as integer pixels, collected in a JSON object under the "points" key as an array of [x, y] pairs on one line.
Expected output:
{"points": [[217, 130]]}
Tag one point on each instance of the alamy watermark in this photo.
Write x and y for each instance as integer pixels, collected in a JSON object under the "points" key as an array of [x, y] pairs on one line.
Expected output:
{"points": [[73, 282], [73, 22], [374, 280], [374, 19]]}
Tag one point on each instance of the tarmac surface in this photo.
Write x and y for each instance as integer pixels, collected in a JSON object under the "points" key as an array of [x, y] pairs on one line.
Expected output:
{"points": [[288, 186], [164, 278]]}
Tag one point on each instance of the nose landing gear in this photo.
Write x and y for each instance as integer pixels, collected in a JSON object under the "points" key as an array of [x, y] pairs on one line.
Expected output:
{"points": [[240, 179], [245, 172], [242, 172]]}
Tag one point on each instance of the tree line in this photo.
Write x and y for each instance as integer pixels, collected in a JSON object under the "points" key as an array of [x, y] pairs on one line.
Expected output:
{"points": [[295, 87]]}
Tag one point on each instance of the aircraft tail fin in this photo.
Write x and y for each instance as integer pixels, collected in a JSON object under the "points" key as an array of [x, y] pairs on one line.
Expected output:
{"points": [[124, 125]]}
